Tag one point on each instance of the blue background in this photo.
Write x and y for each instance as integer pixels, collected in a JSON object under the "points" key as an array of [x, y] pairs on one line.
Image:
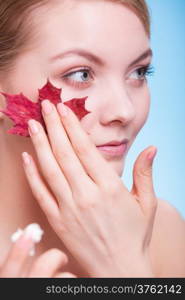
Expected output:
{"points": [[166, 123]]}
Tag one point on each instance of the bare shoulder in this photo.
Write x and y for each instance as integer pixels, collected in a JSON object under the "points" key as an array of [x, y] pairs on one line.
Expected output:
{"points": [[168, 241]]}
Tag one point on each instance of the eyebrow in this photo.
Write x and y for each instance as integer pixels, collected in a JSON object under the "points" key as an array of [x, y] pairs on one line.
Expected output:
{"points": [[147, 53], [95, 59], [80, 52]]}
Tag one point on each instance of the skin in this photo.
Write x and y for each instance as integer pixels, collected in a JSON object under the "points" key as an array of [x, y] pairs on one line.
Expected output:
{"points": [[19, 264], [119, 102]]}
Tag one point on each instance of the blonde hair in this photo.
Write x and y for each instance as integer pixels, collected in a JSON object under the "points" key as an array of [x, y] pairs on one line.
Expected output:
{"points": [[16, 27]]}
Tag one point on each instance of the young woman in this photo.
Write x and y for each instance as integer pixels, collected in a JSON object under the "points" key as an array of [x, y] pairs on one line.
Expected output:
{"points": [[70, 183]]}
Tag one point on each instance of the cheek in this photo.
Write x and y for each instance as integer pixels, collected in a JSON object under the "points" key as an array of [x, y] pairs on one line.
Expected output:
{"points": [[26, 77], [70, 93], [142, 108], [23, 85]]}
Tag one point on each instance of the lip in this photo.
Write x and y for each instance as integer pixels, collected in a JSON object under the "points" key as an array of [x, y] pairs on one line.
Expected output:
{"points": [[114, 148]]}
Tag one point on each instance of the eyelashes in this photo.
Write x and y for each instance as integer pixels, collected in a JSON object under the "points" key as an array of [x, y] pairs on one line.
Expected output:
{"points": [[147, 70], [86, 72], [141, 74]]}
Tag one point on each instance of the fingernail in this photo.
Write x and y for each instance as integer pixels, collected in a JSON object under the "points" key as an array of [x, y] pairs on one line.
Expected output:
{"points": [[33, 127], [151, 155], [26, 158], [62, 109], [46, 107]]}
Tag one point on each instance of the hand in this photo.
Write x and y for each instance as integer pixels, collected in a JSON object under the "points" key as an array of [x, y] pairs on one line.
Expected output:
{"points": [[47, 264], [106, 227]]}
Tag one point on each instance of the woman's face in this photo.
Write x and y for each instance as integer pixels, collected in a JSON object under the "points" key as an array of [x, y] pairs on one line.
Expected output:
{"points": [[104, 40]]}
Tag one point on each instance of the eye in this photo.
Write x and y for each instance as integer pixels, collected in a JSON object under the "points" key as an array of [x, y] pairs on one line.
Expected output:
{"points": [[142, 72], [79, 77]]}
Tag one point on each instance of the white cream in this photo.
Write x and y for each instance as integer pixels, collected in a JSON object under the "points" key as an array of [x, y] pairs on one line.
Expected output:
{"points": [[33, 231], [16, 235]]}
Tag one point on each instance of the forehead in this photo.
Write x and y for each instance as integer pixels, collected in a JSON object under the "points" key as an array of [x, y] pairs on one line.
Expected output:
{"points": [[103, 26]]}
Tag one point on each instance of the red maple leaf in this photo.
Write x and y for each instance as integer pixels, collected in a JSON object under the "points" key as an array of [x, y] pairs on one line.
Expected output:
{"points": [[20, 109]]}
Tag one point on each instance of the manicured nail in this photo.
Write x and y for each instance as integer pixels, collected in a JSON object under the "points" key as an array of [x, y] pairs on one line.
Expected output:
{"points": [[62, 109], [46, 107], [151, 155], [26, 158], [33, 128]]}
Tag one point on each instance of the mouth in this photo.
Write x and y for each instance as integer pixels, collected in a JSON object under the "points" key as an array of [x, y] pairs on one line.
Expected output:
{"points": [[114, 148]]}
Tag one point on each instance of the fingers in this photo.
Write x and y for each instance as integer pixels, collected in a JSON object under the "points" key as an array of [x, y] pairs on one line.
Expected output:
{"points": [[72, 150], [85, 149], [49, 166], [17, 258], [62, 149], [143, 182], [48, 263]]}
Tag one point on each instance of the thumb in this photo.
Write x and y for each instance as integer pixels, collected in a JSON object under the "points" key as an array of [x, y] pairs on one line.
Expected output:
{"points": [[143, 188]]}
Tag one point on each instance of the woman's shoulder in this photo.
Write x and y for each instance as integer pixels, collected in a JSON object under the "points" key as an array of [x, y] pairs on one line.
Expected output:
{"points": [[168, 241], [164, 207]]}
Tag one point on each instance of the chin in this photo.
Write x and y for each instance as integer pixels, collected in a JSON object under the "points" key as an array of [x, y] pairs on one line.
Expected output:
{"points": [[117, 163], [118, 166]]}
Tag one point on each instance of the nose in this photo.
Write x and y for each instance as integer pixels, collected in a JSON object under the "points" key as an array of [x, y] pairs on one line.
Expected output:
{"points": [[118, 106]]}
